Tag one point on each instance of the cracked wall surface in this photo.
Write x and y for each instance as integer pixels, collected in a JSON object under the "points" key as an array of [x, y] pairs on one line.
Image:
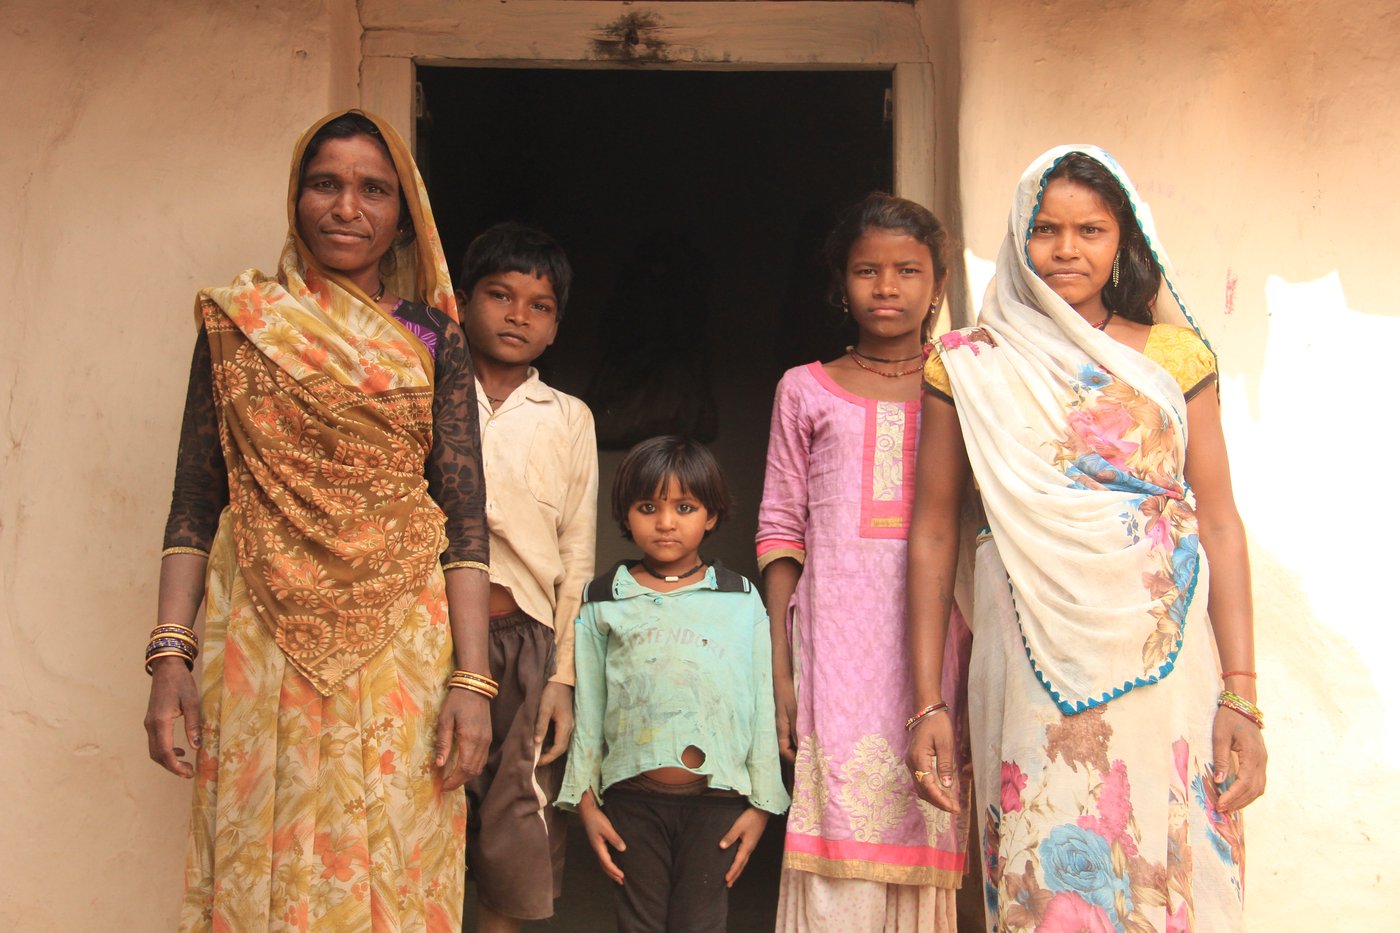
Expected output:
{"points": [[144, 153]]}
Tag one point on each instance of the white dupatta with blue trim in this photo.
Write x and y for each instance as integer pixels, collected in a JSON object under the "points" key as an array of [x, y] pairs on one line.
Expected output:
{"points": [[1079, 448]]}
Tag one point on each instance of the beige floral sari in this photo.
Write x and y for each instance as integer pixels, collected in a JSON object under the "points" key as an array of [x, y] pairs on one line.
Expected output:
{"points": [[326, 637], [1094, 673]]}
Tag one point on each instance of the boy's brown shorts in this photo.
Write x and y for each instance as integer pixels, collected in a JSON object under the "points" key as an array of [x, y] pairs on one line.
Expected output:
{"points": [[515, 836]]}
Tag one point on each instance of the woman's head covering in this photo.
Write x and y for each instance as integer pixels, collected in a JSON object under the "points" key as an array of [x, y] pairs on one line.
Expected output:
{"points": [[1079, 448], [1031, 289], [326, 402], [1017, 288], [419, 269]]}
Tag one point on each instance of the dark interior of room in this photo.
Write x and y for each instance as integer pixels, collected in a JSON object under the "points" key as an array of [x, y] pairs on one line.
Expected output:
{"points": [[693, 206]]}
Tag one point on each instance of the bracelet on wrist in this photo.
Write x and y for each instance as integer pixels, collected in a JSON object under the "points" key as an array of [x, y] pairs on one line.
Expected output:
{"points": [[476, 683], [923, 714], [1236, 703], [172, 641]]}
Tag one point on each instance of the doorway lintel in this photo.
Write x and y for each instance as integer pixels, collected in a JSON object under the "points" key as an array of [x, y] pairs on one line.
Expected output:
{"points": [[826, 35]]}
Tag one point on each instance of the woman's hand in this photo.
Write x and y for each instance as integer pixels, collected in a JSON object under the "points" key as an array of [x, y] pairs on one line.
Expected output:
{"points": [[932, 762], [601, 834], [785, 705], [557, 707], [1234, 733], [747, 830], [465, 720], [173, 695]]}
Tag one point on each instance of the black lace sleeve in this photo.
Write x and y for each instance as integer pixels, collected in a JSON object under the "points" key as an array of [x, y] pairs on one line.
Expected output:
{"points": [[201, 479], [455, 478]]}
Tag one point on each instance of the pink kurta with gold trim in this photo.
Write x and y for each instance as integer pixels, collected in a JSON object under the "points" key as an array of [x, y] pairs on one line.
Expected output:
{"points": [[837, 497]]}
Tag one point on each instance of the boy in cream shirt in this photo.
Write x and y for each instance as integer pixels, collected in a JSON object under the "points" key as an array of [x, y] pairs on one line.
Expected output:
{"points": [[541, 464]]}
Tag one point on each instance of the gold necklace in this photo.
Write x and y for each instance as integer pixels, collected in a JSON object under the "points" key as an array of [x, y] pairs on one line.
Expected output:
{"points": [[871, 369]]}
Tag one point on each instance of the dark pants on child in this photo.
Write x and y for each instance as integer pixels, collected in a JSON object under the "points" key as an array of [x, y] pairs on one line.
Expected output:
{"points": [[515, 836], [673, 866]]}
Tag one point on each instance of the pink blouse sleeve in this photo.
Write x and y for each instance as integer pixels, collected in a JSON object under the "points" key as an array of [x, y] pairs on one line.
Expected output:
{"points": [[782, 516]]}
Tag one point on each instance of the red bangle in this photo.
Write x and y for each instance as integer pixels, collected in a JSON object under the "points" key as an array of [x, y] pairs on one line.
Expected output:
{"points": [[1250, 674], [923, 714]]}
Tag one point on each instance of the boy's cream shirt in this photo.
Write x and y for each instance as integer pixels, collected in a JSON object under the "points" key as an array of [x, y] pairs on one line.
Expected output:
{"points": [[540, 456]]}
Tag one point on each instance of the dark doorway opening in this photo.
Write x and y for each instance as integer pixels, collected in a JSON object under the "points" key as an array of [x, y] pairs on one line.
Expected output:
{"points": [[693, 206]]}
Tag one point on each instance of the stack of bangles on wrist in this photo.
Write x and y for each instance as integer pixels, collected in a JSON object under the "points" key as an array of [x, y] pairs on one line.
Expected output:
{"points": [[923, 714], [1237, 703], [476, 683], [172, 641]]}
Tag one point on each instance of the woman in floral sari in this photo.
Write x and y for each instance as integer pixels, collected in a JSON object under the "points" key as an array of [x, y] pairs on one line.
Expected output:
{"points": [[328, 511], [1110, 766]]}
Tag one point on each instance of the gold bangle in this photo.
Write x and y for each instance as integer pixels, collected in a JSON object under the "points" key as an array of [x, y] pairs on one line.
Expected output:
{"points": [[468, 675], [1233, 701], [175, 631], [474, 688], [464, 678], [187, 639], [189, 662], [464, 681], [1232, 697], [171, 627]]}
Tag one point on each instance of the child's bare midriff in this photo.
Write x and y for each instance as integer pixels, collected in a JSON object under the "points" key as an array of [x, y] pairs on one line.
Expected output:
{"points": [[502, 602], [692, 757]]}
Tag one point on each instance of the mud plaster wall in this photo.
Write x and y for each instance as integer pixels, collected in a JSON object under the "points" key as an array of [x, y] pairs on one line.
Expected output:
{"points": [[1263, 135], [144, 151]]}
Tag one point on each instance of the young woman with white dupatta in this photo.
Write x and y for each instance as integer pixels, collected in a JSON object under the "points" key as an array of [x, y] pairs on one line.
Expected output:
{"points": [[1114, 732]]}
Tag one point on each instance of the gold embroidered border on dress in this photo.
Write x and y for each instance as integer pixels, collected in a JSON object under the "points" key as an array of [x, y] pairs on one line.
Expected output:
{"points": [[184, 550], [469, 564], [872, 871]]}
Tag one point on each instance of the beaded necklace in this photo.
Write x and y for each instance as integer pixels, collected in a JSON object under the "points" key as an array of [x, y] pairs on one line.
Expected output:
{"points": [[855, 358], [677, 577]]}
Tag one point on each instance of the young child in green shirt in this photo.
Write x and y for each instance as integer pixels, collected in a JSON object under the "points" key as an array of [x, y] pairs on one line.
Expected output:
{"points": [[673, 702]]}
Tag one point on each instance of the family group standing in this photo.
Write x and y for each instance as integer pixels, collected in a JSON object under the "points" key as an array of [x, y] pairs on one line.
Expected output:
{"points": [[389, 521]]}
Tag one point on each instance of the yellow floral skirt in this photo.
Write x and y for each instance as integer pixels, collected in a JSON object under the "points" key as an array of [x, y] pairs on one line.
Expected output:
{"points": [[315, 812]]}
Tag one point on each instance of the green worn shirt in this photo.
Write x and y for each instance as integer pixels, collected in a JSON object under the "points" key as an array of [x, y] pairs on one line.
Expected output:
{"points": [[657, 672]]}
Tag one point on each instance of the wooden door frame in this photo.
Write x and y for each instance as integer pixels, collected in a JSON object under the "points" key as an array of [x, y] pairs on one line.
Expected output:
{"points": [[712, 35]]}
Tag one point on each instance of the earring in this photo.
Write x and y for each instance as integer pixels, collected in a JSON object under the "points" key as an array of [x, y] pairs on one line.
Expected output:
{"points": [[1115, 267], [845, 305]]}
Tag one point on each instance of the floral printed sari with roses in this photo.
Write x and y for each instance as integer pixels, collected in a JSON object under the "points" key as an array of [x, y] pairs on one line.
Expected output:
{"points": [[1069, 855], [1094, 673]]}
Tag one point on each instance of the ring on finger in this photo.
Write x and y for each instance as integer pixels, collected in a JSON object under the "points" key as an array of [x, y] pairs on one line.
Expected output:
{"points": [[920, 775]]}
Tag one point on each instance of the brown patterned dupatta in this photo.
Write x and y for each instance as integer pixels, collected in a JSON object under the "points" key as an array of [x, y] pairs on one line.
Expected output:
{"points": [[325, 418]]}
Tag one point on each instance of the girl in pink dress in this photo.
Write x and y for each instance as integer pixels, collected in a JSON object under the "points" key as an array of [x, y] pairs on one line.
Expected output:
{"points": [[862, 853]]}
